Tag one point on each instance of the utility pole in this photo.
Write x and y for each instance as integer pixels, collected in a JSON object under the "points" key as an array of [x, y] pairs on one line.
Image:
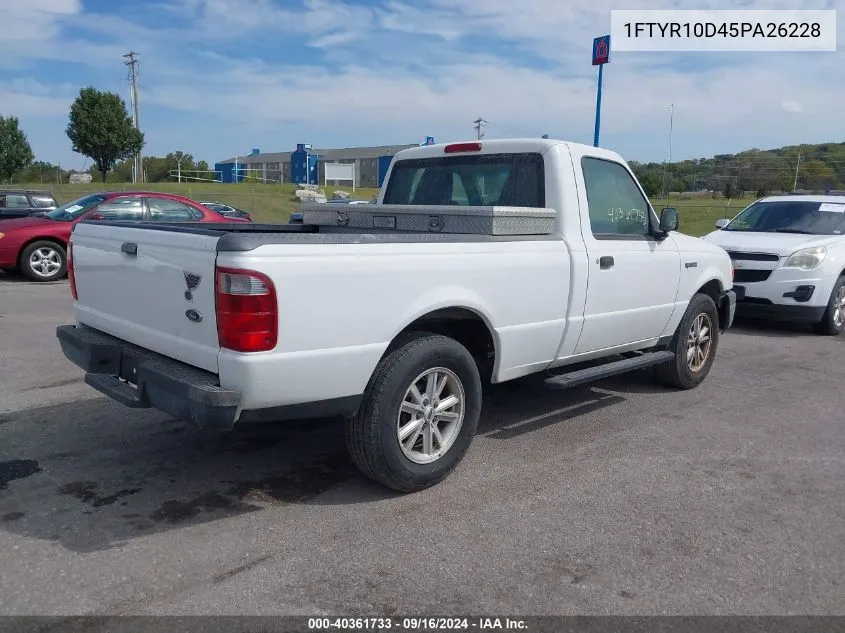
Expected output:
{"points": [[666, 165], [179, 170], [479, 123], [132, 63], [798, 164]]}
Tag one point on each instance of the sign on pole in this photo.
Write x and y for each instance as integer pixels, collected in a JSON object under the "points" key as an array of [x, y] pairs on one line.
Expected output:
{"points": [[601, 56], [601, 50]]}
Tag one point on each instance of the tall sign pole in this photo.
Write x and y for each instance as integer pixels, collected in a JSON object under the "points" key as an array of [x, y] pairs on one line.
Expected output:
{"points": [[601, 56]]}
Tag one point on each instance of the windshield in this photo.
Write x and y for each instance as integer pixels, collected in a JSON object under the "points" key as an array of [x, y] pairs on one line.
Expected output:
{"points": [[73, 210], [791, 216]]}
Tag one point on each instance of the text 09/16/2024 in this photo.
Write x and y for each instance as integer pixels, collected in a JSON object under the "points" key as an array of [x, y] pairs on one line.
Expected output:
{"points": [[723, 31]]}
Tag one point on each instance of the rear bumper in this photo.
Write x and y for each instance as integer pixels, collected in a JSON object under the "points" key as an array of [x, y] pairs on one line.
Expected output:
{"points": [[142, 379]]}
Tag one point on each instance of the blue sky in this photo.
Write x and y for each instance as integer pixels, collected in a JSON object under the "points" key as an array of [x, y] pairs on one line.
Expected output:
{"points": [[219, 77]]}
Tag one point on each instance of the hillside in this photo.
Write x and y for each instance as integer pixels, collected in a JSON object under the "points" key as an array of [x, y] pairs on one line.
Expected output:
{"points": [[760, 171]]}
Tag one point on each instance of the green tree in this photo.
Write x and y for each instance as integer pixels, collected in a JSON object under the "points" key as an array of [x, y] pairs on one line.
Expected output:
{"points": [[15, 152], [101, 129], [39, 171], [651, 184]]}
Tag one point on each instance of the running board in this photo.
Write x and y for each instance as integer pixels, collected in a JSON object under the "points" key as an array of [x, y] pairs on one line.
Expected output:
{"points": [[590, 374]]}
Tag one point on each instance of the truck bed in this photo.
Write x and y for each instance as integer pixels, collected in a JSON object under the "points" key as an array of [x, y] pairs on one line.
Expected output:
{"points": [[236, 237]]}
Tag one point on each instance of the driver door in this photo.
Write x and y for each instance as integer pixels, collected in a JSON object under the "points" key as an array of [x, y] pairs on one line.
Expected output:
{"points": [[633, 276]]}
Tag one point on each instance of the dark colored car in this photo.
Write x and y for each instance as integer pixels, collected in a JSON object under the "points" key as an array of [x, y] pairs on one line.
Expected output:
{"points": [[20, 204], [227, 210], [37, 246]]}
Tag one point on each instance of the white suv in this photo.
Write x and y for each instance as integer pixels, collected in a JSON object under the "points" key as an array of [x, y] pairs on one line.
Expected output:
{"points": [[788, 254]]}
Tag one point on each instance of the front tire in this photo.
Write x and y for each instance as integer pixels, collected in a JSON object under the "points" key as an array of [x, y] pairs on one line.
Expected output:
{"points": [[44, 261], [694, 345], [419, 414], [833, 321]]}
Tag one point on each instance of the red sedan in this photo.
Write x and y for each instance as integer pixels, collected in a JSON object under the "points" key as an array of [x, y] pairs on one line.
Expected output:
{"points": [[37, 246]]}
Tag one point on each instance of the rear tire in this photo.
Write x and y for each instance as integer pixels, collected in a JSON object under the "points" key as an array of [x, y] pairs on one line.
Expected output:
{"points": [[833, 321], [44, 261], [694, 345], [419, 414]]}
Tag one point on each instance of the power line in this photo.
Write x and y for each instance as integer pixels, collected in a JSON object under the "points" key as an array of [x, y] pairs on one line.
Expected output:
{"points": [[479, 123], [132, 63]]}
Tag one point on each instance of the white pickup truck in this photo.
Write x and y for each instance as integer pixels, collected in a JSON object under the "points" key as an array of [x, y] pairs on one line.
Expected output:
{"points": [[397, 329]]}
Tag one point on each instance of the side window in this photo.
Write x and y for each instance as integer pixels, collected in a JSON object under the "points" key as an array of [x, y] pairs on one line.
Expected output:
{"points": [[44, 202], [164, 210], [617, 207], [122, 209], [14, 201]]}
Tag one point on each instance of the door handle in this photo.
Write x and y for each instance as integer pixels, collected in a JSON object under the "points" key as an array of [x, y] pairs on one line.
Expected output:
{"points": [[130, 248], [606, 262]]}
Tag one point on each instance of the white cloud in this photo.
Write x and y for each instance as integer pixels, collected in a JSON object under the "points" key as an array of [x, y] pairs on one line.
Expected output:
{"points": [[34, 19], [30, 99], [791, 106]]}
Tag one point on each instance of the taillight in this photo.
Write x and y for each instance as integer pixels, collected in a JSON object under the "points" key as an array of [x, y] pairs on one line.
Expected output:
{"points": [[455, 148], [246, 310], [70, 276]]}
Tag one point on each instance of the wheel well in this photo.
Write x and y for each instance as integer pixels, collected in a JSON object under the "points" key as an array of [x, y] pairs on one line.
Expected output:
{"points": [[466, 327], [712, 289], [39, 239]]}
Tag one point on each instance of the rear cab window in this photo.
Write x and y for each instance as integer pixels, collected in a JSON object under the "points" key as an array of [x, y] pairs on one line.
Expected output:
{"points": [[508, 179]]}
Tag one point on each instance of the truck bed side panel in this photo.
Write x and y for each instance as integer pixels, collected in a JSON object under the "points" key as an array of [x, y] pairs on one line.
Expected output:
{"points": [[340, 305]]}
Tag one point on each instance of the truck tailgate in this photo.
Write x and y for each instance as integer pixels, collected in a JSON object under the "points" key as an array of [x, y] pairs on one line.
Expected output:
{"points": [[149, 287]]}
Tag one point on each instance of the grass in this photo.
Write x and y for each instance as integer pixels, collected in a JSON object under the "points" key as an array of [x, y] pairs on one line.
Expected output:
{"points": [[275, 203], [698, 216]]}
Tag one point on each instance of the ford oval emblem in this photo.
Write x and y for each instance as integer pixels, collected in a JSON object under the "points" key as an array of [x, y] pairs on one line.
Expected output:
{"points": [[193, 315]]}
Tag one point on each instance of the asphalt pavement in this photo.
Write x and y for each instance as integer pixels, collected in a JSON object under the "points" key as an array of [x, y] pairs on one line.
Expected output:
{"points": [[616, 498]]}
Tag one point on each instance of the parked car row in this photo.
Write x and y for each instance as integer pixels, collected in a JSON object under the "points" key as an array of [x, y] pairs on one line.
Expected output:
{"points": [[36, 244]]}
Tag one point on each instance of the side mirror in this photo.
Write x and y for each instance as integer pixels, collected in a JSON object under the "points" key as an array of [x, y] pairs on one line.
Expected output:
{"points": [[669, 220], [95, 216], [722, 223]]}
